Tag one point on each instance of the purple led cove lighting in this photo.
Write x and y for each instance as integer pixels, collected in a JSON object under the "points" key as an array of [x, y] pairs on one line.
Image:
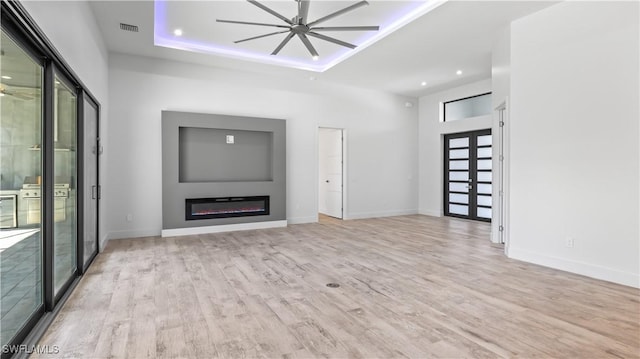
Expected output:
{"points": [[165, 39]]}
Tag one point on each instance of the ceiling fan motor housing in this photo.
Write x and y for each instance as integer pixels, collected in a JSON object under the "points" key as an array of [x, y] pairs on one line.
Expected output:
{"points": [[300, 27]]}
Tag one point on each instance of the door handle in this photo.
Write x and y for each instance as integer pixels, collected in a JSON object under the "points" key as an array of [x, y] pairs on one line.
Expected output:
{"points": [[470, 187], [93, 192]]}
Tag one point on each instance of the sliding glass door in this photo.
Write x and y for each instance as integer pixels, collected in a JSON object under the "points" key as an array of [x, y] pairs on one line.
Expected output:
{"points": [[21, 252], [48, 186], [64, 188], [91, 151]]}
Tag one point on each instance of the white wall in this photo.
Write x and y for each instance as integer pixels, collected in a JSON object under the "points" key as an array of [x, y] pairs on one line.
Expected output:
{"points": [[501, 89], [73, 30], [501, 67], [380, 130], [574, 139], [431, 132]]}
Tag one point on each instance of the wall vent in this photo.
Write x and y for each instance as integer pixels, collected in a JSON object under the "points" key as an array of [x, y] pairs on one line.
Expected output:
{"points": [[127, 27]]}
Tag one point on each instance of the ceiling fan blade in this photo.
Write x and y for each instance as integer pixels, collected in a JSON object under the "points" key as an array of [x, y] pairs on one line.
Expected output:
{"points": [[309, 46], [303, 10], [331, 39], [339, 12], [251, 23], [254, 2], [346, 28], [261, 36], [284, 42]]}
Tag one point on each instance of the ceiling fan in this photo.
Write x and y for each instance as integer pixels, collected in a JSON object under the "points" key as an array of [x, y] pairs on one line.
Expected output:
{"points": [[302, 28]]}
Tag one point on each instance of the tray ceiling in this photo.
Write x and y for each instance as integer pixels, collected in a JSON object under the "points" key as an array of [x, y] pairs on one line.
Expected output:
{"points": [[201, 33]]}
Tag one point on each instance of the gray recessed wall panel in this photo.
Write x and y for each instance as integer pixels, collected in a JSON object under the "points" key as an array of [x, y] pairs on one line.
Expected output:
{"points": [[255, 165], [205, 155]]}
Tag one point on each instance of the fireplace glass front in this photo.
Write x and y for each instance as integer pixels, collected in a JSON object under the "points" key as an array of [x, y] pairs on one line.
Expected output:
{"points": [[224, 207]]}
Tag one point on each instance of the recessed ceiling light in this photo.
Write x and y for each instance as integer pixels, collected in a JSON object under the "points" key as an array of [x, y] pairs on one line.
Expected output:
{"points": [[459, 72], [423, 83], [177, 32], [6, 77], [1, 95]]}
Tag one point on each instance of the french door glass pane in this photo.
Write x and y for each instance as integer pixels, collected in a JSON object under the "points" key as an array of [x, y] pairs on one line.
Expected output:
{"points": [[484, 152], [484, 177], [459, 176], [484, 164], [458, 187], [459, 198], [459, 142], [484, 188], [484, 212], [459, 154], [459, 165], [458, 209], [485, 140], [65, 210], [20, 188], [484, 200]]}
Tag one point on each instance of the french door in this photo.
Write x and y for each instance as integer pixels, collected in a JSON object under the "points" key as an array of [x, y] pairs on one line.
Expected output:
{"points": [[467, 175]]}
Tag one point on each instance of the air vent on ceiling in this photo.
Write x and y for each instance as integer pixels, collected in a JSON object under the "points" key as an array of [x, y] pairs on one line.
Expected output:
{"points": [[127, 27]]}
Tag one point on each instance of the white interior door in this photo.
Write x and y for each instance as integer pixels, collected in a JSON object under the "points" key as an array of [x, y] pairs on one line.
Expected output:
{"points": [[330, 172]]}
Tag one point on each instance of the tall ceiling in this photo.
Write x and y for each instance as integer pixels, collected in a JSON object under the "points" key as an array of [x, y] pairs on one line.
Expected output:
{"points": [[418, 41]]}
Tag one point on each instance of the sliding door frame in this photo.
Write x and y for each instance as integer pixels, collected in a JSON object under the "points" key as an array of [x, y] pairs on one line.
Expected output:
{"points": [[22, 28], [83, 96], [18, 34]]}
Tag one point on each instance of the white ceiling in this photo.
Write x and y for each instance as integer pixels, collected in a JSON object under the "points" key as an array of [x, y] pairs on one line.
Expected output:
{"points": [[202, 32], [457, 35]]}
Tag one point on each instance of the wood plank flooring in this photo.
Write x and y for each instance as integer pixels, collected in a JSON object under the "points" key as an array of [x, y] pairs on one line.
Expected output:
{"points": [[410, 286]]}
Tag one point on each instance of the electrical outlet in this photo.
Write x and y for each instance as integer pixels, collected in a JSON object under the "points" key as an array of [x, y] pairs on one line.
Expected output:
{"points": [[570, 242], [129, 217]]}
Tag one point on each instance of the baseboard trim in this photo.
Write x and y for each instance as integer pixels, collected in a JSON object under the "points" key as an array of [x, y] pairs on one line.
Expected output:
{"points": [[586, 269], [222, 228], [103, 242], [363, 215], [302, 220], [430, 213], [133, 234]]}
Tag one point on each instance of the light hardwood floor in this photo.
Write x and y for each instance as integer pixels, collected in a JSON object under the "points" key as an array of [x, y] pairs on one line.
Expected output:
{"points": [[410, 286]]}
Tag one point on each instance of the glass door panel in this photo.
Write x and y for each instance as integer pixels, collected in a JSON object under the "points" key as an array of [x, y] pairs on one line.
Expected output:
{"points": [[65, 172], [90, 198], [21, 289], [468, 175]]}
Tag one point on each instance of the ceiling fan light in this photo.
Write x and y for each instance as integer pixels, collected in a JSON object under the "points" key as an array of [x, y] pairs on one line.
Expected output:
{"points": [[315, 57]]}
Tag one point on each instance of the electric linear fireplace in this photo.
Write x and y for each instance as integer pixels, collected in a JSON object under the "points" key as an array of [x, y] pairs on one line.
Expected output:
{"points": [[224, 207]]}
